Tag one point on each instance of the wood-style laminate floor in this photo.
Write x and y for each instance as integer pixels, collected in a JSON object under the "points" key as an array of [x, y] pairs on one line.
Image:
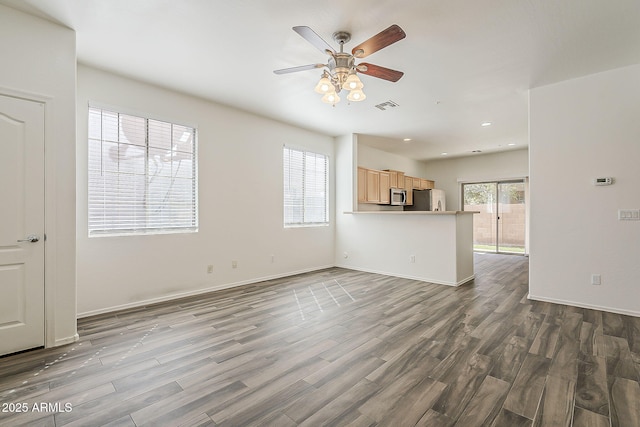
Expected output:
{"points": [[339, 347]]}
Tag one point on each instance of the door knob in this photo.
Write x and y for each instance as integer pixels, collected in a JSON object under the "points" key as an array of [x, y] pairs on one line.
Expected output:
{"points": [[31, 238]]}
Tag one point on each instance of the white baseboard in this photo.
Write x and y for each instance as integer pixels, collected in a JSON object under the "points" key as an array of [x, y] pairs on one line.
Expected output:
{"points": [[583, 305], [179, 295], [66, 340], [468, 279], [405, 276]]}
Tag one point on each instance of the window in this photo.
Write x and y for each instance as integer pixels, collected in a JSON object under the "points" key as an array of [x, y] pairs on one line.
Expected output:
{"points": [[306, 186], [142, 175]]}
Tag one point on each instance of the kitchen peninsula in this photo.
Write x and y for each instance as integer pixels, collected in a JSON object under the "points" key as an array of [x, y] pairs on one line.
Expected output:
{"points": [[434, 247], [377, 237]]}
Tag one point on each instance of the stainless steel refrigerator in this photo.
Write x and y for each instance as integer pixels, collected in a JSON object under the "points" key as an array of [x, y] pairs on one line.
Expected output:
{"points": [[427, 200]]}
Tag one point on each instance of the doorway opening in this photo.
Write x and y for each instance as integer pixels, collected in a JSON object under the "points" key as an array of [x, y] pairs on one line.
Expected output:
{"points": [[500, 227]]}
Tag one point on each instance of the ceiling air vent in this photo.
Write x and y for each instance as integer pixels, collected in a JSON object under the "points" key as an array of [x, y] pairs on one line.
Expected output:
{"points": [[385, 105]]}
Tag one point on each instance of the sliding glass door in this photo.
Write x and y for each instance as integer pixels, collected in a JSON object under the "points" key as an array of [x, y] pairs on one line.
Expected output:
{"points": [[500, 225], [482, 197], [511, 217]]}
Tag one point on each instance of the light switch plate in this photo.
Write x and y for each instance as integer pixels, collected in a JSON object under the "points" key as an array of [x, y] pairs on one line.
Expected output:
{"points": [[629, 214]]}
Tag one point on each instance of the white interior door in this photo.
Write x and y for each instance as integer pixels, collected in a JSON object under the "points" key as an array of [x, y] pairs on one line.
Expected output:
{"points": [[21, 224]]}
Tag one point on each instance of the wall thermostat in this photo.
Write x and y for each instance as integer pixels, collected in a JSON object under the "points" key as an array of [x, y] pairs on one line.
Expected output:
{"points": [[603, 181]]}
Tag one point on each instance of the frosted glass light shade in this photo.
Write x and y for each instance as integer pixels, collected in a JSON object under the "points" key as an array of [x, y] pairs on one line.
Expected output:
{"points": [[324, 85], [356, 95], [352, 83], [331, 98]]}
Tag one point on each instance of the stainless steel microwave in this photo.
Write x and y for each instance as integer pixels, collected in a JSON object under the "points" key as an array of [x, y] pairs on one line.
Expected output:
{"points": [[398, 196]]}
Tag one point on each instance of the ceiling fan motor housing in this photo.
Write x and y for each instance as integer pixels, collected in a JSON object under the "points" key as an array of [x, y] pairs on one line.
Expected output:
{"points": [[340, 66]]}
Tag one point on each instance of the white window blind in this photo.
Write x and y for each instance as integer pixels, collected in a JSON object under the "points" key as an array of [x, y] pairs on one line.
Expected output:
{"points": [[306, 184], [142, 175]]}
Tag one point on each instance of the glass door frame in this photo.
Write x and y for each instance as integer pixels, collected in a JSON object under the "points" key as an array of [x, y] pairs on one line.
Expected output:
{"points": [[496, 207]]}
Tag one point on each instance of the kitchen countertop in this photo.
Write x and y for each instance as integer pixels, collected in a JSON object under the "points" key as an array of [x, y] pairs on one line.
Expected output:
{"points": [[412, 212]]}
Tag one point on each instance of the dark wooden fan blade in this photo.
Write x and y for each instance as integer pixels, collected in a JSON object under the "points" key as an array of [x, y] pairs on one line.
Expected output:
{"points": [[379, 72], [300, 68], [309, 35], [381, 40]]}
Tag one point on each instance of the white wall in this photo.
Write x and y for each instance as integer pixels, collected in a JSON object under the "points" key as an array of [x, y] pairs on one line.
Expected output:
{"points": [[581, 129], [39, 63], [373, 158], [346, 191], [346, 153], [240, 205], [449, 173]]}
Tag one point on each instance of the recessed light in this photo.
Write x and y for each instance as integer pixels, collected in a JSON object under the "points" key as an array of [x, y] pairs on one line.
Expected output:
{"points": [[485, 124], [443, 154], [511, 144], [407, 139]]}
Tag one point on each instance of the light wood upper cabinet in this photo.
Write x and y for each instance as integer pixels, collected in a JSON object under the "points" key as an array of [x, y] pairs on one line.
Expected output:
{"points": [[373, 186], [426, 184], [362, 185], [416, 183], [421, 183], [396, 178], [393, 179], [385, 194], [408, 185]]}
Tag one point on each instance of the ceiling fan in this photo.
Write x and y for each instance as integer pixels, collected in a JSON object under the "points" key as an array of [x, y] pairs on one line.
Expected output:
{"points": [[341, 71]]}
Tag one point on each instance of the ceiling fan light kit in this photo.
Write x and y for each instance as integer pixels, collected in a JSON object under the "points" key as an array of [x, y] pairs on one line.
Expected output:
{"points": [[341, 70]]}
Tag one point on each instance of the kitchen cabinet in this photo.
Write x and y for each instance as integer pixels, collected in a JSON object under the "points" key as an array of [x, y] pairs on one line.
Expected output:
{"points": [[396, 178], [422, 184], [426, 184], [385, 186], [393, 178], [408, 185], [416, 183], [362, 185], [373, 186]]}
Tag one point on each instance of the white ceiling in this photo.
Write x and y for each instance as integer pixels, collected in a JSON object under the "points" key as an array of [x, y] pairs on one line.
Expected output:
{"points": [[465, 61]]}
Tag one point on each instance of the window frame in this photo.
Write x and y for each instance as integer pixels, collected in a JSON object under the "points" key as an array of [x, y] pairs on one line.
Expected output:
{"points": [[304, 206], [148, 228]]}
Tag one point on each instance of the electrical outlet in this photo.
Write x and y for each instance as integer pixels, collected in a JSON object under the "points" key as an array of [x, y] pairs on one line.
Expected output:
{"points": [[412, 259], [273, 258], [596, 279], [234, 264], [209, 269]]}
